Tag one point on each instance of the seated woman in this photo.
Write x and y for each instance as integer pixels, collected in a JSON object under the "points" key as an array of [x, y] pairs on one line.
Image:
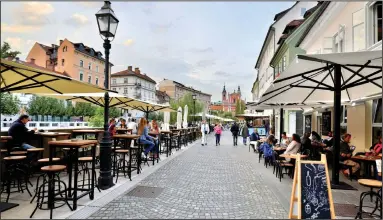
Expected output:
{"points": [[345, 156], [112, 127], [144, 138], [123, 124], [285, 140], [267, 147], [294, 146], [375, 149]]}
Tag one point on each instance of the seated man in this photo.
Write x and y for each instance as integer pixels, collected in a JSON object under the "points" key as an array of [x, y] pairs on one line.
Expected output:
{"points": [[20, 134], [254, 138], [345, 156]]}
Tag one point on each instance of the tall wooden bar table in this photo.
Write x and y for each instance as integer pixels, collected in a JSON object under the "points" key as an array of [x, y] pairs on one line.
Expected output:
{"points": [[73, 146]]}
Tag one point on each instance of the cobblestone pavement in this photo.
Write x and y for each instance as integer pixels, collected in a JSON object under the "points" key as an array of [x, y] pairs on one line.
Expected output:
{"points": [[205, 182]]}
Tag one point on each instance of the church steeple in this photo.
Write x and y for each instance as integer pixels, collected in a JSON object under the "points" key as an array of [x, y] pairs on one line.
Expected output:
{"points": [[224, 93], [239, 90]]}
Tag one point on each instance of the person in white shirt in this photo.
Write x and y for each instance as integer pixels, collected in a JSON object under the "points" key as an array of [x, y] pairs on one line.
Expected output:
{"points": [[294, 146], [133, 125], [204, 130]]}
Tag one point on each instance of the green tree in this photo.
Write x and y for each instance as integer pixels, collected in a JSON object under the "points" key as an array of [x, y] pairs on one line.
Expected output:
{"points": [[97, 120], [69, 110], [158, 116], [6, 51], [240, 107], [84, 109], [37, 106], [187, 99], [9, 104], [114, 112]]}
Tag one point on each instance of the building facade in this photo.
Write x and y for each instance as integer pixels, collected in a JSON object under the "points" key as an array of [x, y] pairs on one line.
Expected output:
{"points": [[76, 60], [162, 98], [348, 27], [134, 84], [228, 102], [177, 90]]}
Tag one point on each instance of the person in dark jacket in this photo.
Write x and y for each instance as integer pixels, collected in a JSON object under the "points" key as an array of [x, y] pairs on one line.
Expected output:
{"points": [[235, 130], [20, 134], [245, 133]]}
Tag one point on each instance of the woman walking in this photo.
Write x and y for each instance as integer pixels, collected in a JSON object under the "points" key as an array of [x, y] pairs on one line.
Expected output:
{"points": [[218, 132]]}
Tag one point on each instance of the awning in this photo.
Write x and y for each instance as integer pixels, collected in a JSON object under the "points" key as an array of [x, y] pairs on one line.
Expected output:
{"points": [[310, 79], [19, 78]]}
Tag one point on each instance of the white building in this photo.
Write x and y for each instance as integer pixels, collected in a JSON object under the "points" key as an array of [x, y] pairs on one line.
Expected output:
{"points": [[134, 84], [265, 73]]}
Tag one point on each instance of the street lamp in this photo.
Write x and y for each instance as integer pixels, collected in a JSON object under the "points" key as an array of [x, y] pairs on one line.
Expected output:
{"points": [[194, 98], [107, 26]]}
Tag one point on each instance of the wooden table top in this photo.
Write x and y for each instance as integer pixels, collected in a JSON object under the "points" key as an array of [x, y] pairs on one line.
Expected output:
{"points": [[126, 136], [166, 132], [366, 158], [51, 134], [124, 129], [279, 148], [292, 156], [370, 183], [87, 131], [70, 143], [6, 137]]}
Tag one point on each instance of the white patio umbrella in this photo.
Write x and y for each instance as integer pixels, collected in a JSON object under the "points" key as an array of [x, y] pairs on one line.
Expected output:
{"points": [[166, 121], [179, 118], [185, 123], [329, 78]]}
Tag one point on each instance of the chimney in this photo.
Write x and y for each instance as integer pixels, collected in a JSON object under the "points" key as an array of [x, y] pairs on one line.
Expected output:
{"points": [[130, 68], [61, 41], [10, 58], [33, 60], [137, 70]]}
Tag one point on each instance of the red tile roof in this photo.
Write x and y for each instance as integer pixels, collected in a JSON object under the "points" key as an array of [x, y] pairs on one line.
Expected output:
{"points": [[42, 68], [132, 73]]}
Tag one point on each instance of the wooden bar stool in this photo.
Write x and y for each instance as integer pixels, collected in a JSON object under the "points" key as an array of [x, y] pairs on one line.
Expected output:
{"points": [[372, 184], [16, 175], [47, 190], [123, 163], [86, 170]]}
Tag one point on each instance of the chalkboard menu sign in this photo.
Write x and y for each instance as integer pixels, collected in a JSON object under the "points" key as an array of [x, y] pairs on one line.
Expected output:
{"points": [[314, 196], [326, 123], [308, 123], [311, 197]]}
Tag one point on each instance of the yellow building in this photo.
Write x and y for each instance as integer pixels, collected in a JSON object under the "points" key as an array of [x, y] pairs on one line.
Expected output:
{"points": [[74, 59]]}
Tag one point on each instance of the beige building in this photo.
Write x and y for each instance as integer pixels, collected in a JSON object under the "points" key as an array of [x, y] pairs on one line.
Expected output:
{"points": [[134, 84], [74, 59], [177, 90]]}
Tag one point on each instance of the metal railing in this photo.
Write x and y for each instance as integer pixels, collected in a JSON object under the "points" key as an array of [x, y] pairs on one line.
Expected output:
{"points": [[48, 125]]}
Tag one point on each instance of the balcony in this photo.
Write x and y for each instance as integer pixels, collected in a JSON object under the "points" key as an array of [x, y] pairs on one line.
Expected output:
{"points": [[137, 85]]}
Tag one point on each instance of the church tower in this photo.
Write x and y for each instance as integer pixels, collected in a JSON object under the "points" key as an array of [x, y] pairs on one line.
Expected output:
{"points": [[239, 91], [224, 93]]}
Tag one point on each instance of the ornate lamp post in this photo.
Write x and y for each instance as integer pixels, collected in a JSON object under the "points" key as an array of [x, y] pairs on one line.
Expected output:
{"points": [[194, 98], [107, 26]]}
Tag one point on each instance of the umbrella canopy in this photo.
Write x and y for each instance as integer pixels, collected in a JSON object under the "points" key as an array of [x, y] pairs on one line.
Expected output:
{"points": [[20, 78], [185, 123], [311, 78], [179, 118], [329, 77]]}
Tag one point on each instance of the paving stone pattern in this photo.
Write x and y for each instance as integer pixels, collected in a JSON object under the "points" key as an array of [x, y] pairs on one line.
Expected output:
{"points": [[206, 182]]}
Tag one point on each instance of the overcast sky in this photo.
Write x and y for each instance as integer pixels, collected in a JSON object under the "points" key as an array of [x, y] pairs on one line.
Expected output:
{"points": [[199, 44]]}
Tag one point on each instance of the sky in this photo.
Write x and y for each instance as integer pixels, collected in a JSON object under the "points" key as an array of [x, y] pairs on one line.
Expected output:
{"points": [[200, 44]]}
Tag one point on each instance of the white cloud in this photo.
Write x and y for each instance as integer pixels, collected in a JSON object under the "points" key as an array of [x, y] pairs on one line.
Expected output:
{"points": [[78, 20], [17, 28], [37, 8], [128, 42], [33, 13], [16, 43], [90, 4]]}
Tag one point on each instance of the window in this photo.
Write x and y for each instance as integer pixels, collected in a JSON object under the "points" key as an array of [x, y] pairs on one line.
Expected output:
{"points": [[125, 90], [81, 76], [303, 11], [284, 63], [114, 89], [90, 66], [96, 80], [62, 62], [81, 63], [327, 45], [377, 25], [114, 81], [96, 68], [65, 49], [125, 80], [358, 40], [89, 79]]}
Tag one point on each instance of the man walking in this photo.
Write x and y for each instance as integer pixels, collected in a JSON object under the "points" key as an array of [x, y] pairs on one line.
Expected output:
{"points": [[234, 130], [245, 133], [204, 130]]}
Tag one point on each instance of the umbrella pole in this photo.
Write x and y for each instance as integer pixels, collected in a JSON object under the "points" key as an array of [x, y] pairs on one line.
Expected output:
{"points": [[337, 106], [281, 125]]}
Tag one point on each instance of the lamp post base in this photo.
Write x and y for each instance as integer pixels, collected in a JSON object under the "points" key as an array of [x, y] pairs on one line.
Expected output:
{"points": [[105, 180]]}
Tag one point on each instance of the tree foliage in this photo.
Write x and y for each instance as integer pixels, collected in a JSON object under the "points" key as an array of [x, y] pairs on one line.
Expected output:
{"points": [[9, 104], [240, 107], [6, 51], [187, 99], [84, 109], [97, 120]]}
